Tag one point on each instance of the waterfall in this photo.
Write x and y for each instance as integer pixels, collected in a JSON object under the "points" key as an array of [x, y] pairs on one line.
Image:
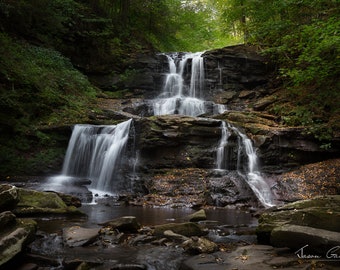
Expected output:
{"points": [[180, 96], [221, 159], [96, 152], [252, 176], [256, 182]]}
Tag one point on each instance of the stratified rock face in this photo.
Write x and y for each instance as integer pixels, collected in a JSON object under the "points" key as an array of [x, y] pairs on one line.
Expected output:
{"points": [[175, 141], [232, 73], [279, 227]]}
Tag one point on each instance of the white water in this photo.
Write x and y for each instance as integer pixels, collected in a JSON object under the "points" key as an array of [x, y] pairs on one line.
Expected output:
{"points": [[179, 96], [220, 152], [256, 182], [95, 152], [253, 176]]}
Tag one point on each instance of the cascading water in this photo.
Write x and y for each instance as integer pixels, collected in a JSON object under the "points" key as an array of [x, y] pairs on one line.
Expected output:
{"points": [[179, 96], [221, 160], [183, 96], [252, 175], [259, 186], [97, 152]]}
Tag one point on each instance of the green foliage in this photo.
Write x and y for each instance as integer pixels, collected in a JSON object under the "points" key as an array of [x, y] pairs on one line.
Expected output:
{"points": [[38, 87], [39, 82], [302, 36]]}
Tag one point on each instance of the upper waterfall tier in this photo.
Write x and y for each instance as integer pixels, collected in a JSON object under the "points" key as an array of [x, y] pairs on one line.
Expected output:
{"points": [[184, 86]]}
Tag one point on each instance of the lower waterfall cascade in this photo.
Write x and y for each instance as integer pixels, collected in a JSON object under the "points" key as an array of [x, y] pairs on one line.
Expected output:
{"points": [[98, 152]]}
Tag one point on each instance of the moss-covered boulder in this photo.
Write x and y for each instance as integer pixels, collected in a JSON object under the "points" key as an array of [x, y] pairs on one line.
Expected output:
{"points": [[197, 216], [187, 229], [8, 197], [197, 245], [124, 224], [320, 212], [32, 202]]}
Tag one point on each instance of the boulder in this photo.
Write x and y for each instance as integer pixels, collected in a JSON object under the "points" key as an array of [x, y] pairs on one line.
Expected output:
{"points": [[320, 213], [15, 237], [32, 202], [8, 197], [123, 224], [7, 219], [76, 236], [187, 229], [295, 237], [197, 216], [175, 236], [197, 245]]}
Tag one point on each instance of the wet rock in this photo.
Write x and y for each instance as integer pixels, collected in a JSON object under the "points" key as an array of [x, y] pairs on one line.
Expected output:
{"points": [[14, 239], [174, 236], [296, 237], [320, 213], [124, 224], [77, 236], [197, 216], [160, 257], [8, 197], [70, 200], [141, 239], [187, 229], [7, 219], [197, 245], [229, 188], [33, 202]]}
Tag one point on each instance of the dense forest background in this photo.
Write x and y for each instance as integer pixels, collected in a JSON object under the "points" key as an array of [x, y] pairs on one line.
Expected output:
{"points": [[48, 47]]}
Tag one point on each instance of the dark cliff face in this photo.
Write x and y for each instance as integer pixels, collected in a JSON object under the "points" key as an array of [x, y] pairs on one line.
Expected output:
{"points": [[239, 78], [228, 73], [177, 142], [233, 70]]}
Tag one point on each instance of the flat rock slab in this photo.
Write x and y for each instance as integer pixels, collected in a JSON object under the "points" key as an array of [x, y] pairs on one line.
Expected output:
{"points": [[295, 237], [252, 257], [77, 236]]}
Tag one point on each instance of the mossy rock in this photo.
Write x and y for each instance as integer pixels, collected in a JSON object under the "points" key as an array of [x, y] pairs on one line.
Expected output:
{"points": [[197, 216], [8, 197], [32, 202], [187, 229], [321, 212]]}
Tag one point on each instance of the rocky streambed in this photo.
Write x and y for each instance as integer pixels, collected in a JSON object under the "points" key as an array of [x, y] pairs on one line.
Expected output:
{"points": [[48, 230]]}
